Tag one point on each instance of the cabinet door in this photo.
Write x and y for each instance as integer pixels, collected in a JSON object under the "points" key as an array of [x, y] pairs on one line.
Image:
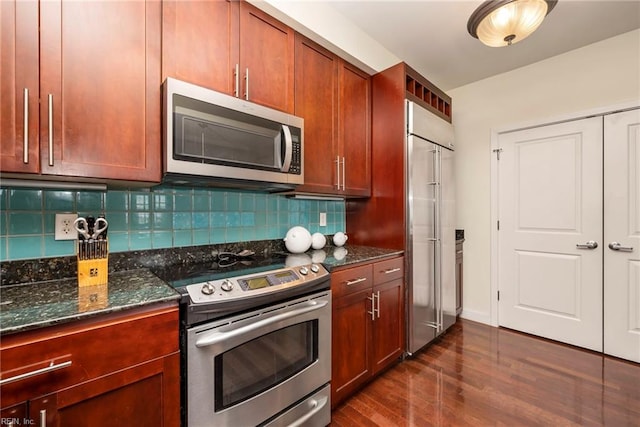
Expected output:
{"points": [[43, 411], [351, 344], [145, 395], [200, 43], [100, 89], [354, 130], [266, 59], [19, 82], [388, 327], [316, 100]]}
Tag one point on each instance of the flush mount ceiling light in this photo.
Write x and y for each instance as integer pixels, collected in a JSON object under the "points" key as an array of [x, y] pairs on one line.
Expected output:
{"points": [[504, 22]]}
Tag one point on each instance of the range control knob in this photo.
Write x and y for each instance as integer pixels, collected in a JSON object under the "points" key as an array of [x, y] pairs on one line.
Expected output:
{"points": [[208, 288], [304, 271], [315, 268], [227, 285]]}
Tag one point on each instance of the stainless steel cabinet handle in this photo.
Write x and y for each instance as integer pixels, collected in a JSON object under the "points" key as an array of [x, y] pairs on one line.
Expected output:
{"points": [[378, 303], [25, 143], [358, 280], [615, 246], [50, 129], [344, 175], [338, 172], [246, 85], [50, 368], [591, 244], [391, 270], [372, 298], [236, 76], [43, 418]]}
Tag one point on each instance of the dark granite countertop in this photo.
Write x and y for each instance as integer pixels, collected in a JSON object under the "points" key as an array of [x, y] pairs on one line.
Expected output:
{"points": [[333, 257], [39, 304]]}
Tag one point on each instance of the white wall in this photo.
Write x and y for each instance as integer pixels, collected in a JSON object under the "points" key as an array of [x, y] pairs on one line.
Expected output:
{"points": [[603, 74]]}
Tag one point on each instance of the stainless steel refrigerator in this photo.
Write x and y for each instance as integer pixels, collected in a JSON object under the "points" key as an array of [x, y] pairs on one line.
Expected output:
{"points": [[430, 251]]}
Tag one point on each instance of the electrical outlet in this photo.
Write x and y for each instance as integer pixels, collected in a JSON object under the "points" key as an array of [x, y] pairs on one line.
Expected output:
{"points": [[323, 219], [64, 226]]}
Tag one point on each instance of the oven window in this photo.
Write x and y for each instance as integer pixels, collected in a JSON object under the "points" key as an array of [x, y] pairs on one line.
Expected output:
{"points": [[264, 362]]}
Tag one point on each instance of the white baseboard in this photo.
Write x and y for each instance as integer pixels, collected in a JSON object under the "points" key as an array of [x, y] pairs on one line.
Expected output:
{"points": [[476, 316]]}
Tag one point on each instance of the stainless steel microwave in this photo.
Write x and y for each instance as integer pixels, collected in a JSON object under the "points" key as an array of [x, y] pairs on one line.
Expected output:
{"points": [[211, 138]]}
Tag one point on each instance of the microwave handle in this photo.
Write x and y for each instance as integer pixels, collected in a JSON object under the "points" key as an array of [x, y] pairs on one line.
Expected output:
{"points": [[288, 148]]}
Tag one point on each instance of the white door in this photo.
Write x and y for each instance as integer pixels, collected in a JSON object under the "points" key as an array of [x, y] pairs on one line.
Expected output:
{"points": [[550, 207], [622, 235]]}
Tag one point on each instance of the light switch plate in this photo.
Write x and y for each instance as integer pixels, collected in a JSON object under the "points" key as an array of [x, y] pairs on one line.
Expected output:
{"points": [[64, 226]]}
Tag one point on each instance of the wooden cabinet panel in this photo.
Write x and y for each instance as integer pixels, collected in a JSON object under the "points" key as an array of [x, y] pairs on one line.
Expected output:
{"points": [[385, 271], [19, 79], [266, 54], [316, 100], [229, 46], [200, 43], [351, 344], [99, 82], [368, 324], [388, 333], [334, 98], [355, 126], [351, 280], [118, 366]]}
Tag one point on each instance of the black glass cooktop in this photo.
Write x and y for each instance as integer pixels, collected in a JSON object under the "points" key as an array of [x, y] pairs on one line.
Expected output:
{"points": [[225, 265]]}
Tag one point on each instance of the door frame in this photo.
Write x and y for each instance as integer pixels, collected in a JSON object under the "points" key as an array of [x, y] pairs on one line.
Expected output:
{"points": [[495, 134]]}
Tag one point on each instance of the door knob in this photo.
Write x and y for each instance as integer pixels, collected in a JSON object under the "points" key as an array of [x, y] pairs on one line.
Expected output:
{"points": [[615, 246], [591, 244]]}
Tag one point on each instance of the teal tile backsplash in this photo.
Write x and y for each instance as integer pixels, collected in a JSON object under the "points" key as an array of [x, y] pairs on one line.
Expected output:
{"points": [[162, 217]]}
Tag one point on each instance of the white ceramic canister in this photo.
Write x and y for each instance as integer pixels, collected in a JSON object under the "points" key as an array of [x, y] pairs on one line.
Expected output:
{"points": [[339, 239], [297, 240]]}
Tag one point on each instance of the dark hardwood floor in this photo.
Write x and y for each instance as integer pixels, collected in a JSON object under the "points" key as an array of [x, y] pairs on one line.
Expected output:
{"points": [[477, 375]]}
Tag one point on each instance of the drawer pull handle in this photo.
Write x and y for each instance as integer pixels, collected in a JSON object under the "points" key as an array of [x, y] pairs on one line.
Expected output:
{"points": [[43, 418], [52, 367], [353, 282], [391, 270]]}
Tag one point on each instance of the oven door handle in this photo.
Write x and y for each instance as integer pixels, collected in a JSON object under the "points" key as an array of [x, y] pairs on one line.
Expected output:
{"points": [[215, 337], [317, 405]]}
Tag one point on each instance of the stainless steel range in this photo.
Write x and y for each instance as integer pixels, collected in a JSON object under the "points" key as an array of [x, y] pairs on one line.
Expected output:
{"points": [[255, 341]]}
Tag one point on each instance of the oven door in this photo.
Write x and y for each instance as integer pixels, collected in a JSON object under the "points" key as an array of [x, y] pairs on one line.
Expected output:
{"points": [[246, 369]]}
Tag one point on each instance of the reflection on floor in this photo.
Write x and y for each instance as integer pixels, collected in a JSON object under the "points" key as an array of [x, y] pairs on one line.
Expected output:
{"points": [[477, 375]]}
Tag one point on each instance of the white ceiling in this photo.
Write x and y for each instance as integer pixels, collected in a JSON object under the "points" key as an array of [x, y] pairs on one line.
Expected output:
{"points": [[431, 35]]}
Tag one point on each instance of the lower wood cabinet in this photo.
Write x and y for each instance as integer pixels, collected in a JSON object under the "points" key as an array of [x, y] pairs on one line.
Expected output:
{"points": [[367, 323], [122, 370]]}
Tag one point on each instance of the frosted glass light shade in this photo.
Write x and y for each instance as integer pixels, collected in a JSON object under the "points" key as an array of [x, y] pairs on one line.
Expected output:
{"points": [[504, 22]]}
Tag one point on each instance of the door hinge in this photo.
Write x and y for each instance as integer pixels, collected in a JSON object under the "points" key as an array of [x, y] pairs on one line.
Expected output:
{"points": [[498, 295], [498, 224], [498, 151]]}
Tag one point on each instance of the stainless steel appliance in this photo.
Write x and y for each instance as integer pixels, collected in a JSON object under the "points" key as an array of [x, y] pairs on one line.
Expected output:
{"points": [[255, 342], [430, 252], [210, 137]]}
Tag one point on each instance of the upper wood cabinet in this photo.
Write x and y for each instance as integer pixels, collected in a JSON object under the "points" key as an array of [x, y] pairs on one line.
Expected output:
{"points": [[231, 47], [99, 97], [19, 82], [334, 98]]}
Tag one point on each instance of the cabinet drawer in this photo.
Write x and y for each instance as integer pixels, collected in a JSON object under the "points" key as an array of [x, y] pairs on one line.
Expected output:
{"points": [[385, 271], [351, 280], [51, 359]]}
